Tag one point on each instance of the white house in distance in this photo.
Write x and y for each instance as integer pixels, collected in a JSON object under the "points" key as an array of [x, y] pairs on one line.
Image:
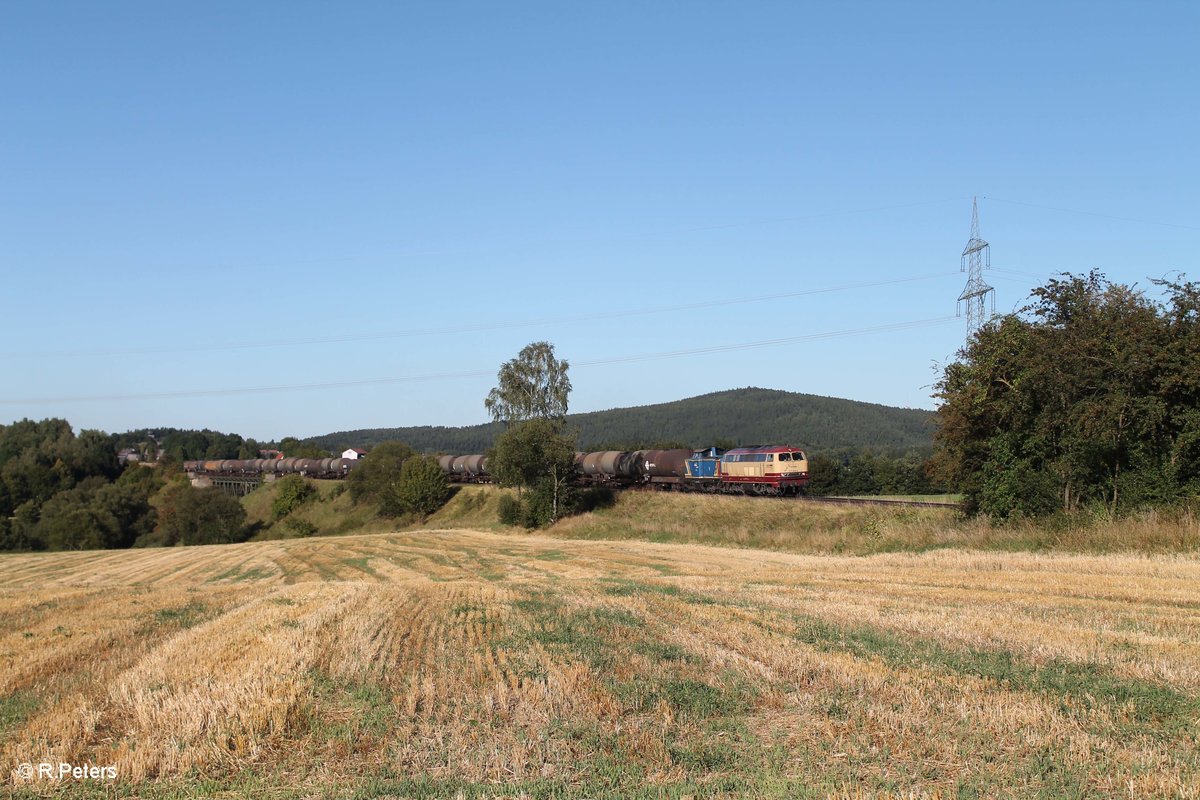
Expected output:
{"points": [[354, 453]]}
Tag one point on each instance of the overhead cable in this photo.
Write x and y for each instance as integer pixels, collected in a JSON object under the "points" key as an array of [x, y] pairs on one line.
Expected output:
{"points": [[468, 327], [295, 387]]}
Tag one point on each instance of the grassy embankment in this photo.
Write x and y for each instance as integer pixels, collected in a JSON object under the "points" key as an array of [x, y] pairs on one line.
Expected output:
{"points": [[429, 664], [332, 513], [786, 525], [801, 527]]}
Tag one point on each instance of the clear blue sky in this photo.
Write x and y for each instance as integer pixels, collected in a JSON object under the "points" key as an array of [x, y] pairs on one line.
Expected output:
{"points": [[264, 179]]}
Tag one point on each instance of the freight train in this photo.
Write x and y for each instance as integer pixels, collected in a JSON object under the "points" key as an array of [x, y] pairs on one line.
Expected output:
{"points": [[759, 469], [777, 470]]}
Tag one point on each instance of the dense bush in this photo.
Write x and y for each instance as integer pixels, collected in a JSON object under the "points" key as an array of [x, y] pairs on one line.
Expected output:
{"points": [[291, 492], [300, 527], [198, 516], [422, 488], [540, 506], [95, 515], [377, 478], [510, 510]]}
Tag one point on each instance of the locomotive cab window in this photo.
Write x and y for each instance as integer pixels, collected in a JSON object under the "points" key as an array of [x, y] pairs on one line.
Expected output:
{"points": [[785, 456]]}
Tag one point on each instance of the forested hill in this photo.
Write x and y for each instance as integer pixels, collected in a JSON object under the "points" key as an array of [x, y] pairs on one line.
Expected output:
{"points": [[738, 416]]}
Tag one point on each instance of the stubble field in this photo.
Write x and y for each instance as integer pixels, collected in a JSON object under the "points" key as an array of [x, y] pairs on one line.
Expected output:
{"points": [[460, 663]]}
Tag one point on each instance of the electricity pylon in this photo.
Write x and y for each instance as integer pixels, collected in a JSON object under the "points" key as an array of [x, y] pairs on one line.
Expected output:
{"points": [[976, 257]]}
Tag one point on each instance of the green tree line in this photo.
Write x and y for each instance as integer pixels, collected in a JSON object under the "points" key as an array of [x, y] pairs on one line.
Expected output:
{"points": [[59, 491], [62, 491], [848, 472], [178, 444]]}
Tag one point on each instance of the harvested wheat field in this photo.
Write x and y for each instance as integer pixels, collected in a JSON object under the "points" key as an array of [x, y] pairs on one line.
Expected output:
{"points": [[458, 663]]}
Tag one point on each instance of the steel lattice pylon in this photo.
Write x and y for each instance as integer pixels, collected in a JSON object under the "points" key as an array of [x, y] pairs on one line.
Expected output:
{"points": [[976, 257]]}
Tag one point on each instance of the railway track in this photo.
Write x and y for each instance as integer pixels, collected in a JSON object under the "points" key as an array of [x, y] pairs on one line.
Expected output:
{"points": [[880, 501], [846, 501]]}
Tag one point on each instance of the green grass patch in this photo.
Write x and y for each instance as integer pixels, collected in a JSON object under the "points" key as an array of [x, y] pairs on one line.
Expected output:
{"points": [[665, 651], [1142, 706], [705, 756], [588, 635], [15, 708], [604, 637], [622, 587], [236, 575], [729, 696], [253, 574], [371, 716], [468, 613], [362, 564], [181, 616]]}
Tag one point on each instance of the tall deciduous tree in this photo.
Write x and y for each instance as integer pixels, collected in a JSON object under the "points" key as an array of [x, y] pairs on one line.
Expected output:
{"points": [[534, 385], [534, 452], [1088, 396]]}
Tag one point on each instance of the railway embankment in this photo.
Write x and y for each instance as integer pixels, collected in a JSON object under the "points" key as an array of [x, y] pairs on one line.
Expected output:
{"points": [[816, 527], [787, 525]]}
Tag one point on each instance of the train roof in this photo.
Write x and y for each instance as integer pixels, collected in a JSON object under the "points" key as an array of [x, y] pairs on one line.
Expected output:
{"points": [[764, 448]]}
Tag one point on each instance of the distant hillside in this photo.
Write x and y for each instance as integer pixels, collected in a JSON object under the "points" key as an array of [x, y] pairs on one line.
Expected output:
{"points": [[738, 416]]}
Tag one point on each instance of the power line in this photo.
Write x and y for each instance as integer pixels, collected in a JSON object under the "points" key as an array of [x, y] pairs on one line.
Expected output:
{"points": [[1020, 272], [1011, 279], [467, 328], [544, 244], [295, 387], [1094, 214]]}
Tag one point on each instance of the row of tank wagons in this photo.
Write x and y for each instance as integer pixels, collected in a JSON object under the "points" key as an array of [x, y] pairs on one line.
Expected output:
{"points": [[310, 467], [465, 469], [780, 469], [601, 467]]}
